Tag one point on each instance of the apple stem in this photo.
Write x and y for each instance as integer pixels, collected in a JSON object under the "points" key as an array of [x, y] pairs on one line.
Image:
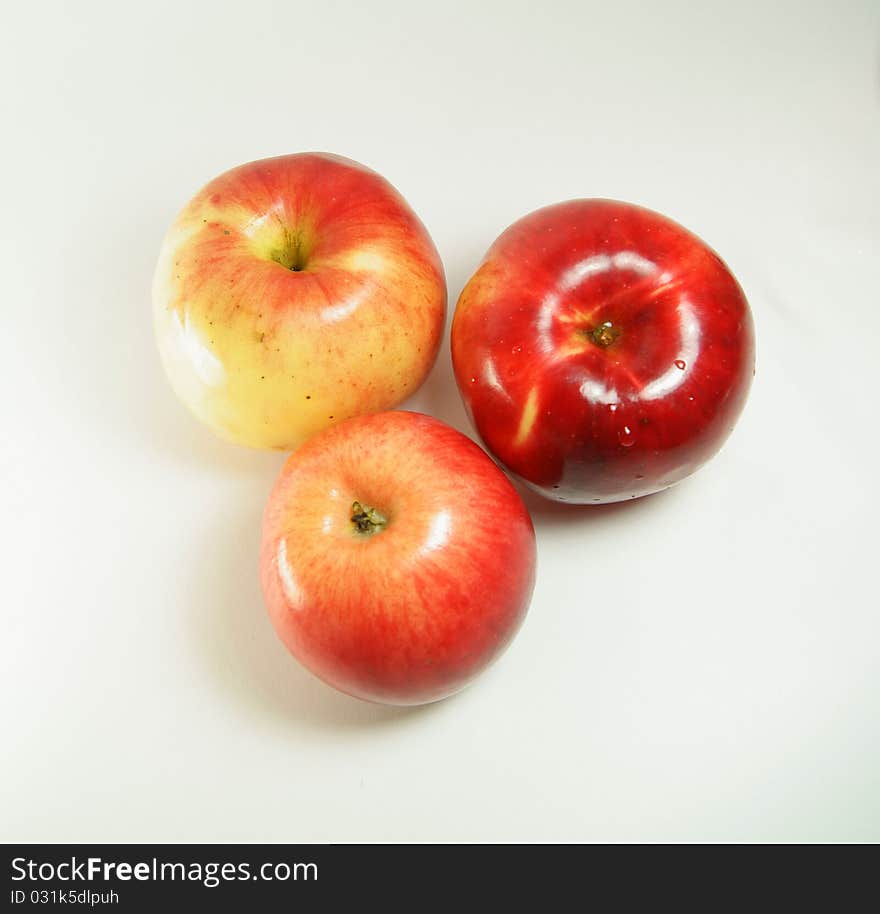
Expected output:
{"points": [[294, 254], [604, 334], [367, 520]]}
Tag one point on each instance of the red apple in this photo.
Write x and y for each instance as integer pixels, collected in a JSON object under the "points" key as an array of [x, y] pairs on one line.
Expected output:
{"points": [[397, 560], [295, 292], [603, 351]]}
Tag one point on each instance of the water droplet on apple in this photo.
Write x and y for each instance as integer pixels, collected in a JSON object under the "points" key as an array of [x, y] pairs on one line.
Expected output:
{"points": [[680, 363], [516, 349], [625, 436]]}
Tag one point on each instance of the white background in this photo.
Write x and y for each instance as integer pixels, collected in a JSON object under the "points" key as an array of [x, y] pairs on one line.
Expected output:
{"points": [[700, 665]]}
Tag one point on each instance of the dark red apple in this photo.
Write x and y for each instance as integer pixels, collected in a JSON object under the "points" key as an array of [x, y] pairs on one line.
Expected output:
{"points": [[603, 351], [397, 560]]}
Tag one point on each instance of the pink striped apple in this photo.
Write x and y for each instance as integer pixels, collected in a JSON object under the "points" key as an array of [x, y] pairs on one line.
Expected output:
{"points": [[397, 560]]}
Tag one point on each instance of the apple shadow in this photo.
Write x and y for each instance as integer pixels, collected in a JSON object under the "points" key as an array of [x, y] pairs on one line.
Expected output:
{"points": [[180, 437], [232, 633], [549, 513]]}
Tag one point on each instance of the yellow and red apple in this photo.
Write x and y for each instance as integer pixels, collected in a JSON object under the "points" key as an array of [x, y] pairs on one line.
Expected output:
{"points": [[295, 292], [397, 560]]}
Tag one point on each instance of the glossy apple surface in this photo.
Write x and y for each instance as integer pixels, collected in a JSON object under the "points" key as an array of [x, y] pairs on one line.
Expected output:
{"points": [[397, 560], [603, 351], [295, 292]]}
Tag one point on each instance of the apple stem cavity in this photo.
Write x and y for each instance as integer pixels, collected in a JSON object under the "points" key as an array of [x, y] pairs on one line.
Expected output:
{"points": [[604, 334], [366, 520], [294, 253]]}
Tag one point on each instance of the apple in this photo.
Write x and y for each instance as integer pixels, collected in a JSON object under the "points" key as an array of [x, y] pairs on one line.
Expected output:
{"points": [[603, 352], [295, 292], [397, 561]]}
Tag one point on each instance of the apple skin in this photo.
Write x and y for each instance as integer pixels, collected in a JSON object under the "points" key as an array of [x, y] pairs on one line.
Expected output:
{"points": [[413, 612], [603, 352], [295, 292]]}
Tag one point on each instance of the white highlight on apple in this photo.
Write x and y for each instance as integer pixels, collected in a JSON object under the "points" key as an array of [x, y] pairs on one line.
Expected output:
{"points": [[574, 276], [490, 376], [368, 261], [206, 366], [288, 583], [629, 260], [690, 346], [603, 263], [544, 323], [596, 392], [253, 226], [336, 313], [438, 532]]}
